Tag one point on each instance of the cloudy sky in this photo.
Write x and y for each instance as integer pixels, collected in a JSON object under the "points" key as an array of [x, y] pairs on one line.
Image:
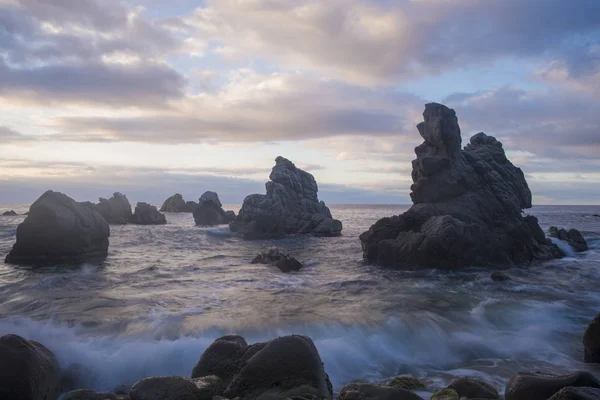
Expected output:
{"points": [[153, 97]]}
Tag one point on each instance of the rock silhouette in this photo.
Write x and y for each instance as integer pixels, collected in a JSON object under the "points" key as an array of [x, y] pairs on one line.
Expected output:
{"points": [[210, 211], [116, 210]]}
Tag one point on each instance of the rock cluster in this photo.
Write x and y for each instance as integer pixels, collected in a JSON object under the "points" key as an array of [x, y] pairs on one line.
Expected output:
{"points": [[146, 214], [467, 207], [177, 204], [573, 237], [209, 211], [59, 230], [284, 262], [115, 210], [290, 206]]}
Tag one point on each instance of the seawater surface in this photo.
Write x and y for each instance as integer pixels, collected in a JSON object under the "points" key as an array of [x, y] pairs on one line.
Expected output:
{"points": [[166, 292]]}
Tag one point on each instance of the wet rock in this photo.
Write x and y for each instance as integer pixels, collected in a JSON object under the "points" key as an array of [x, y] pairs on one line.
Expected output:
{"points": [[209, 386], [366, 391], [284, 262], [175, 204], [145, 214], [467, 207], [58, 230], [536, 386], [446, 394], [10, 213], [290, 206], [498, 276], [165, 388], [573, 237], [210, 211], [28, 370], [577, 393], [406, 382], [115, 210], [591, 341], [473, 389], [88, 394]]}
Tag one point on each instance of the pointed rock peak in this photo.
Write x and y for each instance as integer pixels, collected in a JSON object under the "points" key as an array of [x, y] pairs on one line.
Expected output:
{"points": [[440, 129]]}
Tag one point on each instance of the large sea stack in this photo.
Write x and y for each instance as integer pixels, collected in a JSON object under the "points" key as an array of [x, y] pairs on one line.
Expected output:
{"points": [[467, 207], [210, 211], [59, 230], [290, 206], [116, 210], [146, 214], [177, 204]]}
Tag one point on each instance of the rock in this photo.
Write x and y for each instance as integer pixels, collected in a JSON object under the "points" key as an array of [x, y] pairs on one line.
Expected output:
{"points": [[59, 230], [288, 366], [209, 386], [145, 214], [366, 391], [498, 276], [28, 370], [210, 211], [115, 210], [467, 207], [176, 204], [573, 237], [10, 213], [123, 390], [536, 386], [576, 393], [291, 206], [591, 341], [88, 394], [446, 394], [473, 389], [406, 382], [192, 205], [282, 261], [165, 388]]}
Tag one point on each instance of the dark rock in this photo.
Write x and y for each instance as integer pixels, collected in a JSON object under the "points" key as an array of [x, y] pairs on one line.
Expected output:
{"points": [[467, 207], [284, 262], [176, 204], [88, 394], [165, 388], [591, 341], [10, 213], [473, 389], [28, 370], [288, 366], [535, 386], [406, 382], [145, 214], [290, 206], [209, 386], [192, 205], [498, 276], [76, 376], [59, 230], [210, 211], [115, 210], [366, 391], [577, 393], [288, 264], [445, 394], [123, 390], [573, 237]]}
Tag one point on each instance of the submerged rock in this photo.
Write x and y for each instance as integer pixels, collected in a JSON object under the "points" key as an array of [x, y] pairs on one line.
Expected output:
{"points": [[591, 341], [290, 206], [28, 370], [116, 210], [58, 230], [467, 206], [210, 211], [367, 391], [10, 213], [536, 386], [284, 262], [176, 204], [573, 237], [145, 214]]}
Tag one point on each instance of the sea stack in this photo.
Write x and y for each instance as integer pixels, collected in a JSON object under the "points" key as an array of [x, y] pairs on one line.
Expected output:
{"points": [[210, 211], [467, 207], [177, 204], [146, 214], [59, 230], [116, 210], [290, 206]]}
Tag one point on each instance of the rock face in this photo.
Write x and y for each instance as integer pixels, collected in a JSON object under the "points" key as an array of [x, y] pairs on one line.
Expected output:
{"points": [[10, 213], [115, 210], [58, 230], [527, 386], [467, 206], [572, 236], [176, 204], [290, 206], [28, 370], [210, 211], [284, 262], [145, 214], [285, 367], [591, 342]]}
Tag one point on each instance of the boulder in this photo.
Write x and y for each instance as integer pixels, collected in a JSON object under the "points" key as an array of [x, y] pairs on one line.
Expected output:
{"points": [[209, 386], [145, 214], [285, 367], [88, 394], [445, 394], [115, 210], [467, 207], [176, 204], [290, 206], [577, 393], [473, 389], [367, 391], [282, 261], [406, 382], [165, 388], [536, 386], [591, 341], [58, 230], [10, 213], [573, 237], [28, 370], [210, 211]]}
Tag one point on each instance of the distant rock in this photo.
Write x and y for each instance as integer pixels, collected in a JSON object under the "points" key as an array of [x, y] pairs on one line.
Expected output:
{"points": [[537, 386], [115, 210], [176, 204], [145, 214], [58, 230], [290, 206], [210, 211], [573, 237], [10, 213], [284, 262], [591, 342], [467, 207]]}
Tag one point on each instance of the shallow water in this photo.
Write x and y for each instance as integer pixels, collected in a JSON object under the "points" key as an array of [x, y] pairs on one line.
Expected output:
{"points": [[166, 292]]}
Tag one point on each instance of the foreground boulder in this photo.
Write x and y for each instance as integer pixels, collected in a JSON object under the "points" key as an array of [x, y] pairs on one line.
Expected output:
{"points": [[145, 214], [290, 206], [10, 213], [467, 206], [209, 211], [28, 370], [176, 204], [284, 262], [367, 391], [116, 210], [58, 230], [535, 386], [282, 368], [165, 388], [591, 342], [573, 237]]}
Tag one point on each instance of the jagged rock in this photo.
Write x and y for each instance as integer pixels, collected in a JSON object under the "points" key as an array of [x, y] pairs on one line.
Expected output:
{"points": [[282, 368], [115, 210], [210, 211], [176, 204], [467, 206], [536, 386], [498, 276], [577, 393], [367, 391], [165, 388], [58, 230], [591, 341], [473, 389], [290, 206], [10, 213], [573, 237], [145, 214], [28, 370], [284, 262]]}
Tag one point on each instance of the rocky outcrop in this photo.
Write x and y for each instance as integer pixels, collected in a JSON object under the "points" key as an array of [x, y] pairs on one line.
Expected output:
{"points": [[282, 368], [467, 207], [210, 211], [284, 262], [28, 370], [573, 237], [115, 210], [536, 386], [58, 230], [367, 391], [591, 341], [10, 213], [290, 206], [145, 214], [176, 204]]}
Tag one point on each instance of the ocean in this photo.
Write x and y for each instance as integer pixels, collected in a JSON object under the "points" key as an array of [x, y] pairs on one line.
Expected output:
{"points": [[166, 292]]}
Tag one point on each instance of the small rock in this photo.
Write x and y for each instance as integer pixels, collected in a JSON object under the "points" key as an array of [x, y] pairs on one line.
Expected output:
{"points": [[591, 341], [498, 276], [406, 382], [145, 214], [446, 394], [473, 389], [10, 213], [282, 261]]}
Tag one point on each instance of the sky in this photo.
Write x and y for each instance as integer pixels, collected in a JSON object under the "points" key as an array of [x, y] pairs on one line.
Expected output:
{"points": [[153, 97]]}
